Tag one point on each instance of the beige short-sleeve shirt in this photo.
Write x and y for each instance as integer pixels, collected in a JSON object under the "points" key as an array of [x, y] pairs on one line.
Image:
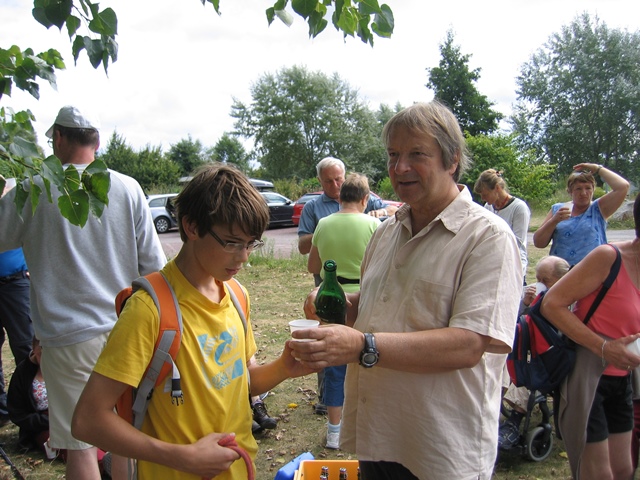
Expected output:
{"points": [[462, 270]]}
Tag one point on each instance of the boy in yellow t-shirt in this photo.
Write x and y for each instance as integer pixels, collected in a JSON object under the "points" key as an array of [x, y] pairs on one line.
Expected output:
{"points": [[221, 219]]}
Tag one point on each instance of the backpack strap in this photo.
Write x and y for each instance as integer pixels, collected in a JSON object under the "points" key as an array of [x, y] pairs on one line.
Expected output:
{"points": [[239, 299], [166, 347], [606, 285]]}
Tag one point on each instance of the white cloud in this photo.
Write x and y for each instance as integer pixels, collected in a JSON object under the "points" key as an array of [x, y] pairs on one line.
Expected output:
{"points": [[180, 66]]}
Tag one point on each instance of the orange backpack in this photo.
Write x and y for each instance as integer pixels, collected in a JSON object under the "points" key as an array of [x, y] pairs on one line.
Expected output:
{"points": [[133, 403]]}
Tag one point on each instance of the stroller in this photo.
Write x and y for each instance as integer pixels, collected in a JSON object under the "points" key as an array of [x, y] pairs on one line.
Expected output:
{"points": [[533, 443]]}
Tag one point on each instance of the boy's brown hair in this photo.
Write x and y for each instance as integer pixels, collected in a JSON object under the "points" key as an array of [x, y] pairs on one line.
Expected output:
{"points": [[220, 194]]}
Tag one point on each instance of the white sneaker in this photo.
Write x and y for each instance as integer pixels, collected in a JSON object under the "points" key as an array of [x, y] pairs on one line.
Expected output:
{"points": [[333, 440]]}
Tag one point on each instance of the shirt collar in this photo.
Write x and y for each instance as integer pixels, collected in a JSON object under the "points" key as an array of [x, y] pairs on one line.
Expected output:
{"points": [[452, 217]]}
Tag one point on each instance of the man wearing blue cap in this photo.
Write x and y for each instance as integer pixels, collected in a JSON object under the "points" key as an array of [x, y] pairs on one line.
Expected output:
{"points": [[76, 273]]}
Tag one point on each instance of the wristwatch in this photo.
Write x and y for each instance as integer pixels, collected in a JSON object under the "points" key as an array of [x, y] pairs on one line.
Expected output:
{"points": [[369, 356]]}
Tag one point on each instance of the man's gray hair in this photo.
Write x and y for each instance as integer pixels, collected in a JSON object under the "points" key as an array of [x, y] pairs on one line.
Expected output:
{"points": [[438, 121], [329, 162]]}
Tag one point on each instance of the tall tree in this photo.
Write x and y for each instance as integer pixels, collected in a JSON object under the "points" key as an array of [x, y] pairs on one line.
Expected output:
{"points": [[230, 150], [298, 117], [148, 166], [579, 98], [453, 84], [188, 154]]}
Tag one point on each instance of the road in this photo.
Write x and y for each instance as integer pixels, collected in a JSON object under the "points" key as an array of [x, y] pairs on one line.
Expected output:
{"points": [[284, 241]]}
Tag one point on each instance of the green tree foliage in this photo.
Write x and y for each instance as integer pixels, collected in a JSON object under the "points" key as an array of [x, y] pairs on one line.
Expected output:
{"points": [[525, 178], [298, 117], [230, 150], [24, 69], [188, 154], [453, 84], [149, 166], [579, 98]]}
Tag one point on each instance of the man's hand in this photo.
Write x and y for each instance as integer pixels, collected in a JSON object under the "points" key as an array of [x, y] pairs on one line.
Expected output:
{"points": [[334, 345]]}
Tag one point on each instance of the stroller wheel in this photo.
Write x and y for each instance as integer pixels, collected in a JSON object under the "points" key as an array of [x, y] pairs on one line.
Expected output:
{"points": [[539, 443]]}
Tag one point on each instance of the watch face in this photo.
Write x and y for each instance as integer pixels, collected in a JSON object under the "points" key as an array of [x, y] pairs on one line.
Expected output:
{"points": [[369, 358]]}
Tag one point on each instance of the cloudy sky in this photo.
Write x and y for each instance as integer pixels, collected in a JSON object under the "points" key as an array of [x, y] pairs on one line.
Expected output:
{"points": [[180, 64]]}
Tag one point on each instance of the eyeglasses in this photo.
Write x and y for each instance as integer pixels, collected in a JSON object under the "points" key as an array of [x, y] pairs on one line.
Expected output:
{"points": [[232, 247], [50, 142]]}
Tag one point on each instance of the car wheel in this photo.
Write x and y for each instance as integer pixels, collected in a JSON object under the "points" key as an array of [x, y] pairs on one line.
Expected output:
{"points": [[162, 224]]}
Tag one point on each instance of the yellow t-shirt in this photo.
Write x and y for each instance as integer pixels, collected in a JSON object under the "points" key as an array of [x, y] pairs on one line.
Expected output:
{"points": [[212, 362]]}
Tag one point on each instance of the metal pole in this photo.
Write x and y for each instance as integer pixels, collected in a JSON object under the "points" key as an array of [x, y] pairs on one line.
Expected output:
{"points": [[16, 472]]}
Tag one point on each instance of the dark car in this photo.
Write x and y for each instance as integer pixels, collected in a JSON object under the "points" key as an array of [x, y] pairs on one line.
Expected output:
{"points": [[163, 211], [280, 209], [299, 205]]}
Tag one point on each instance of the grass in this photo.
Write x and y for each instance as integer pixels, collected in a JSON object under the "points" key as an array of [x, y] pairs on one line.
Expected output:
{"points": [[278, 288]]}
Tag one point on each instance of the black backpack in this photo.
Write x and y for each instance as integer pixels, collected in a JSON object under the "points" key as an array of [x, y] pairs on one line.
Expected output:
{"points": [[542, 356]]}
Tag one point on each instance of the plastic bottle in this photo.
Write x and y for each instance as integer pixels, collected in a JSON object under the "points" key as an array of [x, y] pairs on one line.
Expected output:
{"points": [[331, 302], [343, 474]]}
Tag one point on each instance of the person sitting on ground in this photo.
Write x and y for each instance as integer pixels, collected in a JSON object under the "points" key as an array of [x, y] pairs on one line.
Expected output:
{"points": [[221, 218], [27, 401], [549, 270]]}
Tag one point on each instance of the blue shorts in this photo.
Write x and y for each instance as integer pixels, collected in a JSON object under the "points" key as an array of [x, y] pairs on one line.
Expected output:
{"points": [[334, 386]]}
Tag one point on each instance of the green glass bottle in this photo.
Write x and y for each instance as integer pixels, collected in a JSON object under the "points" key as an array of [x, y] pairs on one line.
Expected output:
{"points": [[331, 302]]}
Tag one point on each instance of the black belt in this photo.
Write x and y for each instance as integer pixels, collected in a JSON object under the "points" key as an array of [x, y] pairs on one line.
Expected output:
{"points": [[13, 277], [351, 281]]}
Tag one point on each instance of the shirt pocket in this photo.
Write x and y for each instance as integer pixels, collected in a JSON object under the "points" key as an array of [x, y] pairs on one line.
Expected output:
{"points": [[428, 305]]}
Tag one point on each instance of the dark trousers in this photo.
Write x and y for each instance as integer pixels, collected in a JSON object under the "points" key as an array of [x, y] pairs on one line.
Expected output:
{"points": [[15, 320], [384, 471]]}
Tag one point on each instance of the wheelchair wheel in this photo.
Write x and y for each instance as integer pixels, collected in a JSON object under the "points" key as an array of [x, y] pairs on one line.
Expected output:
{"points": [[539, 448]]}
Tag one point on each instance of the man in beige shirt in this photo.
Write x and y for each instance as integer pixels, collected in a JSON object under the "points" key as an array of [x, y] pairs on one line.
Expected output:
{"points": [[434, 318]]}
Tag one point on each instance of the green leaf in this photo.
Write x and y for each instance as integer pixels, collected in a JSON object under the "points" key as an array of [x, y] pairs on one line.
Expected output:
{"points": [[317, 23], [215, 3], [53, 172], [348, 21], [109, 22], [75, 207], [97, 181], [21, 198], [304, 8], [384, 22], [5, 86], [369, 7], [73, 23], [40, 16], [363, 30], [95, 50], [34, 196], [23, 148], [78, 46], [270, 12], [71, 179], [58, 11], [280, 5]]}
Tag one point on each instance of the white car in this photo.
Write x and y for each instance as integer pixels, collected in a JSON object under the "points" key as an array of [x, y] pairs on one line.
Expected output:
{"points": [[163, 211]]}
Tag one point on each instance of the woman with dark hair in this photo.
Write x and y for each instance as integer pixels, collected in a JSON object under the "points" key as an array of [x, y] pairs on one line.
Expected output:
{"points": [[595, 411], [579, 226]]}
